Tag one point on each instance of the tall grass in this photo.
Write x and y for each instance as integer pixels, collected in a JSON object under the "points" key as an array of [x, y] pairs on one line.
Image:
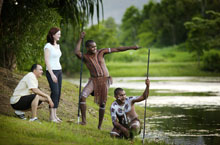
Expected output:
{"points": [[169, 61]]}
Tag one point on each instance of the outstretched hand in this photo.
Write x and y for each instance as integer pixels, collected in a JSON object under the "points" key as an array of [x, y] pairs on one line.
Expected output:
{"points": [[82, 35], [137, 47]]}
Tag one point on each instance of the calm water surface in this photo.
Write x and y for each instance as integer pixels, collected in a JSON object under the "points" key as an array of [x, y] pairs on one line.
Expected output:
{"points": [[186, 120]]}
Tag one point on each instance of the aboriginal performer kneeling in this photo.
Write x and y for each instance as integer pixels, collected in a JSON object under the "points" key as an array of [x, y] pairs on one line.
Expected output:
{"points": [[124, 118], [100, 80]]}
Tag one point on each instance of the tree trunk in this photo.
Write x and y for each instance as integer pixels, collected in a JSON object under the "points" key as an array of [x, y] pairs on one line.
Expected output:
{"points": [[203, 7], [7, 59], [1, 3]]}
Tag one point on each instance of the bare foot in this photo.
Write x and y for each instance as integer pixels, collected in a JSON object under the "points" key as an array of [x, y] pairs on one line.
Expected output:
{"points": [[99, 127], [55, 121], [82, 123], [58, 119]]}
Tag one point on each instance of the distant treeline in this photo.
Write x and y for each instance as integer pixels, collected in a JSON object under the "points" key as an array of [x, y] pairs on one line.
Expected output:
{"points": [[192, 23], [162, 23]]}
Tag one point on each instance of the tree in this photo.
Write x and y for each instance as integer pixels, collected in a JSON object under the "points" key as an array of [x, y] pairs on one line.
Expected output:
{"points": [[159, 23], [129, 26], [25, 23], [166, 19], [204, 33]]}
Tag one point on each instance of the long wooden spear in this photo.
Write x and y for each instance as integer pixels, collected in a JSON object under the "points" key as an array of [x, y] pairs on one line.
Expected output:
{"points": [[81, 69], [80, 82], [145, 106]]}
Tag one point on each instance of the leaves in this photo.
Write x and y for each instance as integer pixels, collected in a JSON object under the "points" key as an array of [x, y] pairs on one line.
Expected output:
{"points": [[204, 33], [24, 27]]}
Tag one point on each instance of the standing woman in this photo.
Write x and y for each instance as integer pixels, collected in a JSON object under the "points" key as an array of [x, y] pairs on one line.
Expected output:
{"points": [[52, 56]]}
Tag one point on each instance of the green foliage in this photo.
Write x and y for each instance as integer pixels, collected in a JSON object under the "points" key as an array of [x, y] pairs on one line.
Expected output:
{"points": [[25, 24], [211, 61], [104, 34], [68, 60], [129, 27], [24, 28], [204, 33], [146, 35], [161, 23]]}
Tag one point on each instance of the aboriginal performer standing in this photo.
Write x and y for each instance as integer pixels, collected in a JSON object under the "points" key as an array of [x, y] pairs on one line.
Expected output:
{"points": [[99, 81]]}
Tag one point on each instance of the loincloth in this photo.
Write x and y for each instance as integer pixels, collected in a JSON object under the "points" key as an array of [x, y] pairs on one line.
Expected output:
{"points": [[135, 121], [101, 85]]}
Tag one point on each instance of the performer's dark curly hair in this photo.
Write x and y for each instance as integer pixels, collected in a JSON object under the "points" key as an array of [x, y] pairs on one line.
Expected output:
{"points": [[88, 42], [117, 90]]}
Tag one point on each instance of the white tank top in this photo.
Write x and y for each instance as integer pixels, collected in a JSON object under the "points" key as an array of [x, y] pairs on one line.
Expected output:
{"points": [[54, 58]]}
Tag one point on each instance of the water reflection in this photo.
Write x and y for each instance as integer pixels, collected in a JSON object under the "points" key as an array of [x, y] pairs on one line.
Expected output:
{"points": [[185, 125], [182, 101], [173, 84]]}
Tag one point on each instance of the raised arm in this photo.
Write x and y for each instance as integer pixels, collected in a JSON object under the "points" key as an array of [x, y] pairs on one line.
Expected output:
{"points": [[78, 45], [145, 94], [124, 48]]}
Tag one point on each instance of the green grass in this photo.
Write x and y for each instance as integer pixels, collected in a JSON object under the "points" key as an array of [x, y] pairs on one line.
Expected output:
{"points": [[123, 69], [21, 132], [163, 62], [24, 132]]}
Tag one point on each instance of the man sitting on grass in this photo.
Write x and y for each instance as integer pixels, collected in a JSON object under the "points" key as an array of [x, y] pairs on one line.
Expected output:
{"points": [[124, 118], [27, 96]]}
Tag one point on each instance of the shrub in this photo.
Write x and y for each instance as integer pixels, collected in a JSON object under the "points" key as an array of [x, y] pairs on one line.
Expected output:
{"points": [[211, 60]]}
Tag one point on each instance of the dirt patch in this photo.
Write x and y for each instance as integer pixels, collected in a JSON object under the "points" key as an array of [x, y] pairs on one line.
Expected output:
{"points": [[8, 82]]}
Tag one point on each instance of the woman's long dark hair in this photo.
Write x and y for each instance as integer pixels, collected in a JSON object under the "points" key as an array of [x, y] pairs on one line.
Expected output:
{"points": [[50, 34]]}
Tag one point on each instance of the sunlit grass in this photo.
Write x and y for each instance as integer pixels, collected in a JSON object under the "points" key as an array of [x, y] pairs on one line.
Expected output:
{"points": [[170, 61], [122, 69]]}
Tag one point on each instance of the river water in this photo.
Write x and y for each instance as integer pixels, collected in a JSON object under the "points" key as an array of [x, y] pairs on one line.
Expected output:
{"points": [[185, 120]]}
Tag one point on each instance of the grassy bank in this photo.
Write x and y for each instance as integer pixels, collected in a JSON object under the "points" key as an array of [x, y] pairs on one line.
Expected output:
{"points": [[21, 132], [122, 69], [169, 61]]}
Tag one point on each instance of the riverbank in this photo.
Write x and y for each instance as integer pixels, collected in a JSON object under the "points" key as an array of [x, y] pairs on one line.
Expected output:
{"points": [[16, 131]]}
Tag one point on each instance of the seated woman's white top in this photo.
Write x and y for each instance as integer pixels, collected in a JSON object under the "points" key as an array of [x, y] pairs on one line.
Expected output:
{"points": [[54, 58]]}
